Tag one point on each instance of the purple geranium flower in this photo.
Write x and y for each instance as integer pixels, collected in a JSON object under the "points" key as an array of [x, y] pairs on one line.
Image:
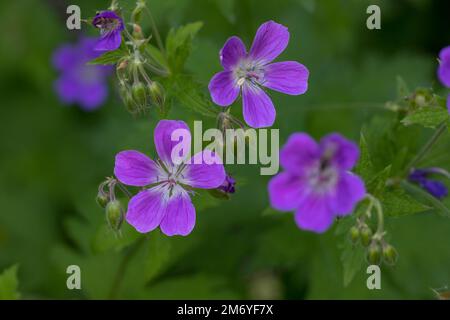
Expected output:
{"points": [[444, 70], [79, 82], [250, 71], [316, 182], [433, 187], [111, 26], [165, 201]]}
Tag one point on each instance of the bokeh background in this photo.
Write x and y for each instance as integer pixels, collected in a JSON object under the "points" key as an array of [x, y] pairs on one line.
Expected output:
{"points": [[53, 157]]}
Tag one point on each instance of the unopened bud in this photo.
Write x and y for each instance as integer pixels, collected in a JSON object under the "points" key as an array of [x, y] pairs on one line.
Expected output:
{"points": [[139, 94], [366, 235], [114, 214], [157, 95], [390, 255], [102, 199], [354, 234], [374, 253]]}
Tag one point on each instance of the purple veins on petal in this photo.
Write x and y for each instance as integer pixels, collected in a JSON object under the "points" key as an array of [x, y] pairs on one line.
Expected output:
{"points": [[247, 73], [316, 183], [166, 202], [258, 108], [270, 41]]}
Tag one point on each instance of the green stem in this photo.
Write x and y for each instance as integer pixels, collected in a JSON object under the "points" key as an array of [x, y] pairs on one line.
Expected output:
{"points": [[430, 143], [155, 31], [122, 268]]}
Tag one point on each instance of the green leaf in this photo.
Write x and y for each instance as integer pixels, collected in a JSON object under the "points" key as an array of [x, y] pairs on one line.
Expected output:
{"points": [[9, 284], [377, 185], [398, 203], [402, 88], [429, 117], [110, 57], [179, 44], [364, 168], [352, 260], [106, 239], [419, 193]]}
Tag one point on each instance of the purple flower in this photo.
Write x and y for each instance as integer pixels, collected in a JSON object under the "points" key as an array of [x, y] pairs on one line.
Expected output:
{"points": [[79, 82], [165, 201], [316, 182], [248, 72], [228, 185], [433, 187], [111, 26], [444, 70]]}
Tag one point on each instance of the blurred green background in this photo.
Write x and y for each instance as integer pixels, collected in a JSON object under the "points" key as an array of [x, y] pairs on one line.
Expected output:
{"points": [[53, 157]]}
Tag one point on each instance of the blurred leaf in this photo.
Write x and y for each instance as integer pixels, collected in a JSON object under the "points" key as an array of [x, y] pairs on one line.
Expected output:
{"points": [[352, 260], [429, 117], [402, 88], [377, 185], [397, 203], [419, 193], [9, 284], [179, 45], [106, 239], [110, 57], [364, 168]]}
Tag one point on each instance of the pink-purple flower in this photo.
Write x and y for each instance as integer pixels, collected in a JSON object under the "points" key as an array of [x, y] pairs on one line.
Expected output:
{"points": [[80, 83], [111, 26], [250, 72], [444, 70], [317, 183], [165, 199]]}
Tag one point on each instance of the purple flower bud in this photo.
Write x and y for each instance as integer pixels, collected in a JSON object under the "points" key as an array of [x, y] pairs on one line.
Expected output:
{"points": [[228, 185], [433, 187]]}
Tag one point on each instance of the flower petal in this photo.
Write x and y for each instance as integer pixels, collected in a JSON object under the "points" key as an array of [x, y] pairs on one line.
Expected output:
{"points": [[147, 209], [109, 42], [344, 153], [180, 215], [163, 139], [135, 169], [258, 109], [92, 95], [444, 66], [314, 215], [286, 191], [223, 88], [232, 52], [299, 153], [205, 171], [271, 39], [349, 191], [289, 77], [65, 57], [435, 188]]}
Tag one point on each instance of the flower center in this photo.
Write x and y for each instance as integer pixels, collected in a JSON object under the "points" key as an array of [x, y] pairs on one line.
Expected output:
{"points": [[107, 24], [249, 71], [323, 176]]}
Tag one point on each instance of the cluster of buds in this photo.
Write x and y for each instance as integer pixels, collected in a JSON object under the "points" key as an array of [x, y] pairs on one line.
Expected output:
{"points": [[135, 70], [106, 198], [378, 250], [411, 102]]}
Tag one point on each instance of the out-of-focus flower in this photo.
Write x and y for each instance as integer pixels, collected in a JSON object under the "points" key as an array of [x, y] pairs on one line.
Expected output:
{"points": [[111, 26], [166, 202], [434, 187], [444, 70], [316, 182], [251, 71], [80, 83]]}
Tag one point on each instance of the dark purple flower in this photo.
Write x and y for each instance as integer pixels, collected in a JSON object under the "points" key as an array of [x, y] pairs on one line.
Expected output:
{"points": [[248, 72], [316, 182], [228, 185], [111, 26], [434, 187], [444, 70], [165, 201], [80, 83]]}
